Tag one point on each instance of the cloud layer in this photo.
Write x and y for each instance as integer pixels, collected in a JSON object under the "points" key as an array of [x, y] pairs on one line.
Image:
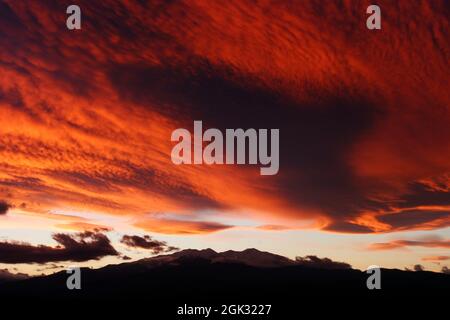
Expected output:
{"points": [[146, 242], [86, 116], [71, 247], [4, 207]]}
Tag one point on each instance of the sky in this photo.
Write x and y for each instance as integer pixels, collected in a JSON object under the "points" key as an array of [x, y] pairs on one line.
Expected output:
{"points": [[86, 118]]}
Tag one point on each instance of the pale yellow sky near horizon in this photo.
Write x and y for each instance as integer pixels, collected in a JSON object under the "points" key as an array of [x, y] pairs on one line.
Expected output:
{"points": [[350, 248]]}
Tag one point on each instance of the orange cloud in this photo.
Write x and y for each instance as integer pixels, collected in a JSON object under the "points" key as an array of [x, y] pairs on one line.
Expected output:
{"points": [[86, 117], [409, 243]]}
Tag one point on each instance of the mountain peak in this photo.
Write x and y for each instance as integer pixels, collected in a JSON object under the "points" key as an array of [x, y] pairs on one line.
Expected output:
{"points": [[195, 253], [251, 257]]}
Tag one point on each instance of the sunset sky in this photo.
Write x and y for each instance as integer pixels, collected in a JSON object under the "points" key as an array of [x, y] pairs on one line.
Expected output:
{"points": [[86, 118]]}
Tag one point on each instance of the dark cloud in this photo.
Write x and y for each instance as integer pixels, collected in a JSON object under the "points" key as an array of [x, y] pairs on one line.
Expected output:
{"points": [[420, 194], [147, 242], [445, 270], [321, 263], [9, 20], [4, 207], [12, 97], [348, 227], [410, 219], [418, 267], [71, 247], [316, 137]]}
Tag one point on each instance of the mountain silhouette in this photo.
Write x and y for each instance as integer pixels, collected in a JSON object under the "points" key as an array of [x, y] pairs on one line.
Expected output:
{"points": [[6, 276], [249, 257], [206, 276]]}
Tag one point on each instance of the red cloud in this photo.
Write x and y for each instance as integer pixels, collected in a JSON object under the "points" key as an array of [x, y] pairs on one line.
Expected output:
{"points": [[86, 117], [146, 242]]}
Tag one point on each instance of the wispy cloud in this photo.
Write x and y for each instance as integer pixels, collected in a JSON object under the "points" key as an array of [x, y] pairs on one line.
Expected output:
{"points": [[397, 244]]}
